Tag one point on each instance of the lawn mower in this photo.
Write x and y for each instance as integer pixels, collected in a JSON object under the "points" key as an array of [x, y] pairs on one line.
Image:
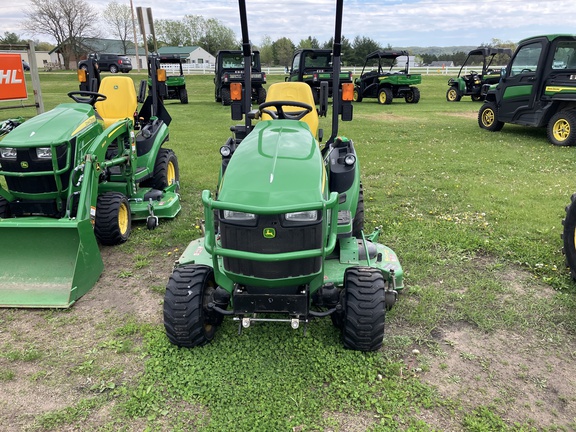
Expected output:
{"points": [[75, 175], [379, 80], [471, 83], [284, 238]]}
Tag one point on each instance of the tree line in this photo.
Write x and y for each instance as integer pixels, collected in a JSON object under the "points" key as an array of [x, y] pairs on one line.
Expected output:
{"points": [[73, 21]]}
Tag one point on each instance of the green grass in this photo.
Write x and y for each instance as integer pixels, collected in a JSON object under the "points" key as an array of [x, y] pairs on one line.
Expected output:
{"points": [[449, 196]]}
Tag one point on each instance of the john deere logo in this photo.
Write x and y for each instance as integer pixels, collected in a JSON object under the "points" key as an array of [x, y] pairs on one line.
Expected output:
{"points": [[24, 165], [269, 233]]}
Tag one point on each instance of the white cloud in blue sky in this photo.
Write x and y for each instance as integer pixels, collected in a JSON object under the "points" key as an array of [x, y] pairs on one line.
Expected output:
{"points": [[396, 22]]}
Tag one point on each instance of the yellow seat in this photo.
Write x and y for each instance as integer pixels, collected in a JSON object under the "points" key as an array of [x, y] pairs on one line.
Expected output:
{"points": [[294, 91], [120, 100]]}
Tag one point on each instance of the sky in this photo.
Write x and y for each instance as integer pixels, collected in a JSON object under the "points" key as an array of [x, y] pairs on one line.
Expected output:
{"points": [[400, 23]]}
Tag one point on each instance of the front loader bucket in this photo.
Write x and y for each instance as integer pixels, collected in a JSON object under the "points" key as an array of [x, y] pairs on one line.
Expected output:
{"points": [[47, 263]]}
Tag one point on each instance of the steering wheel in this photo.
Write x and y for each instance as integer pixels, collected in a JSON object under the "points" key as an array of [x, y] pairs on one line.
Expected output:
{"points": [[84, 96], [281, 114]]}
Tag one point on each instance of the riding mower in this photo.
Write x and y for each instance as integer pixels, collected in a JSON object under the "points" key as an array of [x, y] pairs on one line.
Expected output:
{"points": [[73, 176], [471, 83], [284, 239]]}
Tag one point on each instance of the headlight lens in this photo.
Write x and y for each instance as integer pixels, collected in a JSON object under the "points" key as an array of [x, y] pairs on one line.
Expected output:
{"points": [[349, 159], [304, 216], [225, 151], [8, 153], [44, 152], [238, 216]]}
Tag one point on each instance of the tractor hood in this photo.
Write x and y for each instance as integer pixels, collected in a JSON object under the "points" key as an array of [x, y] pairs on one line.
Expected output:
{"points": [[53, 127], [278, 164]]}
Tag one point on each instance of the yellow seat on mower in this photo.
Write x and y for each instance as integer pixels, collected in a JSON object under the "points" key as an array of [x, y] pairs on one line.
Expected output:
{"points": [[295, 91], [120, 100]]}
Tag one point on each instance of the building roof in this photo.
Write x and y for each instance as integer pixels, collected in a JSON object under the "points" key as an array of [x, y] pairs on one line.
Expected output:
{"points": [[182, 51]]}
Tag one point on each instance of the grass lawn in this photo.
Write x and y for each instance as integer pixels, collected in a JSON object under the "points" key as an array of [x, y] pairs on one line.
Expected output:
{"points": [[482, 339]]}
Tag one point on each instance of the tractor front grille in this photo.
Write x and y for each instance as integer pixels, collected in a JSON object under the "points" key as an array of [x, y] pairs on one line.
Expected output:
{"points": [[287, 237]]}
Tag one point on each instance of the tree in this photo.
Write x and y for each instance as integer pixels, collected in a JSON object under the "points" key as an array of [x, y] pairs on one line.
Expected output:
{"points": [[283, 50], [119, 19], [172, 32], [346, 49], [310, 43], [11, 38], [266, 51], [69, 22], [217, 37], [361, 47]]}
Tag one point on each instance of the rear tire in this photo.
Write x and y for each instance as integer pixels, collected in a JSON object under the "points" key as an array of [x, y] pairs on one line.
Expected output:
{"points": [[166, 170], [385, 96], [561, 129], [261, 95], [488, 117], [4, 208], [113, 219], [413, 96], [113, 69], [188, 293], [364, 309], [477, 98], [569, 236], [453, 95], [226, 99], [183, 96]]}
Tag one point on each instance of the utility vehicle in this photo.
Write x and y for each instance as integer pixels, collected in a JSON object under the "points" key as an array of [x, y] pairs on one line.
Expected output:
{"points": [[379, 80], [284, 238], [537, 88], [314, 67], [472, 82], [230, 69], [175, 82], [75, 175]]}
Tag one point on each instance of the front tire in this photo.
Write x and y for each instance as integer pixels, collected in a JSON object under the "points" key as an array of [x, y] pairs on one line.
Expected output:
{"points": [[569, 236], [186, 320], [488, 118], [453, 95], [260, 95], [113, 69], [364, 309], [561, 129], [357, 95], [113, 219], [385, 96]]}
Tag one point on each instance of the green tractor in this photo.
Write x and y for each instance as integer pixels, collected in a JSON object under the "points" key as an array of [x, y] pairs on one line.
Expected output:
{"points": [[175, 84], [537, 88], [379, 80], [284, 238], [471, 83], [314, 67], [78, 174]]}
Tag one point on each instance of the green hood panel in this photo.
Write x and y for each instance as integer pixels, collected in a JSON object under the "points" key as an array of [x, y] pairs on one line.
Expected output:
{"points": [[52, 127], [285, 167]]}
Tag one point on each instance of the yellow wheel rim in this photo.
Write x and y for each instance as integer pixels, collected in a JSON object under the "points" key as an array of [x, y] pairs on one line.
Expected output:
{"points": [[382, 97], [355, 97], [561, 130], [452, 95], [488, 117], [171, 173], [123, 214]]}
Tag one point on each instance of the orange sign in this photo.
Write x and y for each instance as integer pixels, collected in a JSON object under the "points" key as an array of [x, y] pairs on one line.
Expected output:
{"points": [[12, 82]]}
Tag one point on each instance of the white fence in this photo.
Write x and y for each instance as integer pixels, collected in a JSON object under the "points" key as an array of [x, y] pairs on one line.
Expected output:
{"points": [[200, 69]]}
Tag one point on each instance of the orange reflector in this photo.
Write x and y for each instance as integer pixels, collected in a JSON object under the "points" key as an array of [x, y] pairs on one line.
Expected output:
{"points": [[82, 75], [236, 91], [161, 75], [347, 92]]}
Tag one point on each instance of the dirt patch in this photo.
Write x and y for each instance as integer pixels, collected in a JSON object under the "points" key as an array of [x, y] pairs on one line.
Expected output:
{"points": [[51, 359], [467, 115]]}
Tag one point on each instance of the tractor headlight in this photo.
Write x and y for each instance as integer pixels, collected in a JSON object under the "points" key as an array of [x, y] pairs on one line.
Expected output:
{"points": [[225, 151], [232, 215], [8, 153], [349, 159], [44, 152], [303, 216]]}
